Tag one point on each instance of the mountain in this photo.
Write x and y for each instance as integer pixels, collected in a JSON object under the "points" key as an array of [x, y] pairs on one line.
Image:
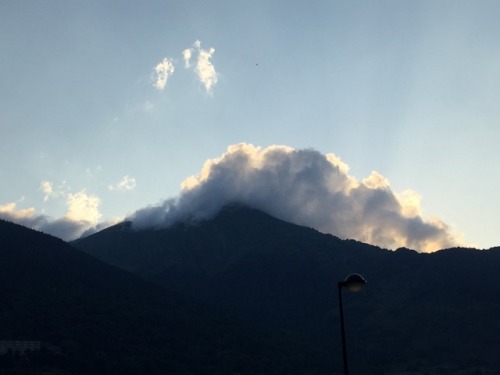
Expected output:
{"points": [[97, 319], [431, 313], [230, 260]]}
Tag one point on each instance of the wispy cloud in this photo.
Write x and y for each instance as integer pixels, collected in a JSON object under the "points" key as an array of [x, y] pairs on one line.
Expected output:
{"points": [[125, 184], [307, 188], [47, 190], [204, 68], [53, 191], [186, 55], [163, 71]]}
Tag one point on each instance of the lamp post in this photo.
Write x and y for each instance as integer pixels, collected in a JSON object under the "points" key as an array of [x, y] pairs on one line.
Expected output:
{"points": [[353, 283]]}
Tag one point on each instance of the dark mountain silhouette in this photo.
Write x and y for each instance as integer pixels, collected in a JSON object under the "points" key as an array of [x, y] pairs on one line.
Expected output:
{"points": [[428, 312], [98, 319]]}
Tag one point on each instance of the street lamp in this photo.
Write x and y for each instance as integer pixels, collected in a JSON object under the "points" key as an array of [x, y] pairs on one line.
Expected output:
{"points": [[353, 283]]}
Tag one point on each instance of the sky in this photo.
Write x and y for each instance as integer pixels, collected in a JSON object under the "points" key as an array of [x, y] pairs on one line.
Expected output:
{"points": [[373, 120]]}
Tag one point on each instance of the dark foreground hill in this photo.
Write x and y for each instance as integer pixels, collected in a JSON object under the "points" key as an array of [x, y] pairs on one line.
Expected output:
{"points": [[427, 313], [98, 319]]}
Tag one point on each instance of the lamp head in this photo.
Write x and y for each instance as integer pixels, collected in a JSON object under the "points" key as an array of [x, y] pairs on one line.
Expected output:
{"points": [[354, 282]]}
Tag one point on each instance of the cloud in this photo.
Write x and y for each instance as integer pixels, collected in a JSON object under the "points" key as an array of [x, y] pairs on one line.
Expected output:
{"points": [[82, 217], [125, 184], [52, 191], [204, 68], [186, 54], [62, 228], [163, 71], [10, 212], [308, 188], [83, 207], [47, 189]]}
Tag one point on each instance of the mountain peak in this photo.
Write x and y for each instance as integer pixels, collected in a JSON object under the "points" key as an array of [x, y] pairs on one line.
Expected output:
{"points": [[256, 267]]}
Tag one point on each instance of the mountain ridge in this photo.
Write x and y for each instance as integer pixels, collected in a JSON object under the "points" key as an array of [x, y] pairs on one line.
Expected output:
{"points": [[106, 321], [260, 269]]}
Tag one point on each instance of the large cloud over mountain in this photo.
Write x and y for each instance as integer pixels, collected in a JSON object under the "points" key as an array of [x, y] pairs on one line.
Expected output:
{"points": [[308, 188]]}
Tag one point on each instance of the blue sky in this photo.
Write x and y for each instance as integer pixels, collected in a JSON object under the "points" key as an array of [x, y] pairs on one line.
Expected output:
{"points": [[407, 89]]}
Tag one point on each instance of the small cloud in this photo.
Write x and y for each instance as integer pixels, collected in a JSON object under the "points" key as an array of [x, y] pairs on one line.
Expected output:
{"points": [[47, 189], [186, 54], [204, 68], [163, 71], [125, 184], [51, 192]]}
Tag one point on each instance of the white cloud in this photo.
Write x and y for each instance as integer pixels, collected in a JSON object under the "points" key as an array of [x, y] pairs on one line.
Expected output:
{"points": [[10, 210], [52, 191], [163, 71], [125, 184], [62, 228], [204, 68], [82, 217], [186, 54], [410, 203], [307, 188], [47, 189], [83, 207]]}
